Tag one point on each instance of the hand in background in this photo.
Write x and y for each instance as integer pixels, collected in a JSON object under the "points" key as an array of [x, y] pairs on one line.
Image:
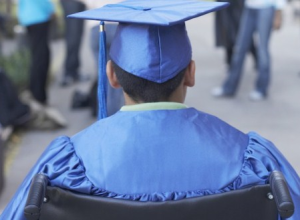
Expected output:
{"points": [[277, 21]]}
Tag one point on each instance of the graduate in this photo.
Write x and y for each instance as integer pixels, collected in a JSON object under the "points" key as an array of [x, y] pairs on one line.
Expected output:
{"points": [[155, 148]]}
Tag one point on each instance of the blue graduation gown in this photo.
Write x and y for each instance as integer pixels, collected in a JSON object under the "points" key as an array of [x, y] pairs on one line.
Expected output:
{"points": [[158, 155]]}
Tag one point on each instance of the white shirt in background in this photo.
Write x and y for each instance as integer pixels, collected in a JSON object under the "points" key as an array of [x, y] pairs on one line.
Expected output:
{"points": [[258, 4], [93, 4]]}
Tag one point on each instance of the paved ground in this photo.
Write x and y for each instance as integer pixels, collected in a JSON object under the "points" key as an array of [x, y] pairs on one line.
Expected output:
{"points": [[277, 118]]}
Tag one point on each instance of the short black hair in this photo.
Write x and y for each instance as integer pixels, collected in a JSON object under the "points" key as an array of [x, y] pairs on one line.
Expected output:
{"points": [[143, 90]]}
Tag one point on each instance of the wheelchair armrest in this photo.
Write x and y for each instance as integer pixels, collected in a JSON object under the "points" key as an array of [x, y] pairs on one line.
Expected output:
{"points": [[281, 194], [35, 197]]}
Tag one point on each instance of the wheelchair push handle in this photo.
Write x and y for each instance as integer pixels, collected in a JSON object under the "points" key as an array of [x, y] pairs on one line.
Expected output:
{"points": [[282, 195], [35, 197]]}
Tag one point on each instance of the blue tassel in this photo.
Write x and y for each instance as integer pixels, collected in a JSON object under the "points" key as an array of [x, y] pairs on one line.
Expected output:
{"points": [[102, 79]]}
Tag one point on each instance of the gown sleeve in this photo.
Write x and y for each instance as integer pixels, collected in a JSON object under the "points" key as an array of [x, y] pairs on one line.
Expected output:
{"points": [[63, 168], [263, 153]]}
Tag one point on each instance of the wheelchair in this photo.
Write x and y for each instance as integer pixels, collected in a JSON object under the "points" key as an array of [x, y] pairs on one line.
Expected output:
{"points": [[261, 202]]}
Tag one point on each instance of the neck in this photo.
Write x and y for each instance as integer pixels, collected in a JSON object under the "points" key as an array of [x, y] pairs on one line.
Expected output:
{"points": [[177, 96]]}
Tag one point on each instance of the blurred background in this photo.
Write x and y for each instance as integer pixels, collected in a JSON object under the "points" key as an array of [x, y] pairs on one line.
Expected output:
{"points": [[69, 108]]}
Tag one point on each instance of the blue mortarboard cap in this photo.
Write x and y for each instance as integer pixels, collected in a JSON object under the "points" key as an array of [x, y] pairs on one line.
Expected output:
{"points": [[151, 40]]}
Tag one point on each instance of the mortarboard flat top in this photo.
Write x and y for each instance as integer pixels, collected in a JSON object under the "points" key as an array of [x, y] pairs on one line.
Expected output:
{"points": [[156, 12]]}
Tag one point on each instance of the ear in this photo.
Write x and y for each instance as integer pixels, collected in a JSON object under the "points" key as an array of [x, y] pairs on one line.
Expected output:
{"points": [[189, 76], [112, 78]]}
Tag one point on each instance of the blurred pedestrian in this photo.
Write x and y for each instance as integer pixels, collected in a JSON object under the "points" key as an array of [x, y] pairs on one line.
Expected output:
{"points": [[73, 37], [16, 113], [2, 29], [259, 17], [13, 112], [2, 23], [226, 28], [36, 17]]}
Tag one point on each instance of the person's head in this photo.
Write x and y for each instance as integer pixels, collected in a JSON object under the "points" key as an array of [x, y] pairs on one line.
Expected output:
{"points": [[140, 90], [150, 61]]}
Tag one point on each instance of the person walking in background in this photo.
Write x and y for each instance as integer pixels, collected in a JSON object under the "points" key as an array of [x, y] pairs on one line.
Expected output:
{"points": [[73, 37], [12, 111], [36, 17], [259, 17], [2, 25], [226, 29]]}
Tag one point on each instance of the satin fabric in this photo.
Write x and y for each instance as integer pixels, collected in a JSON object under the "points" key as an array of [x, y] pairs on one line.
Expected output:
{"points": [[155, 12], [158, 155], [159, 47]]}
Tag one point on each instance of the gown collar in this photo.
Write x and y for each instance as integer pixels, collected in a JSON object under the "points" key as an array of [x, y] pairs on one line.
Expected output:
{"points": [[154, 106]]}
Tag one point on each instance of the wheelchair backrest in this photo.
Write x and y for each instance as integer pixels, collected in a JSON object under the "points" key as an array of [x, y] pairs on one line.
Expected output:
{"points": [[255, 203]]}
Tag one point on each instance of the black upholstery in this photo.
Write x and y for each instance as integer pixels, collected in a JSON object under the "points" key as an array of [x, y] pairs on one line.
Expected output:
{"points": [[246, 204]]}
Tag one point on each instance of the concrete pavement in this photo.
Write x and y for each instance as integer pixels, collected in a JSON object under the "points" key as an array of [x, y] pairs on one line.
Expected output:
{"points": [[277, 118]]}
